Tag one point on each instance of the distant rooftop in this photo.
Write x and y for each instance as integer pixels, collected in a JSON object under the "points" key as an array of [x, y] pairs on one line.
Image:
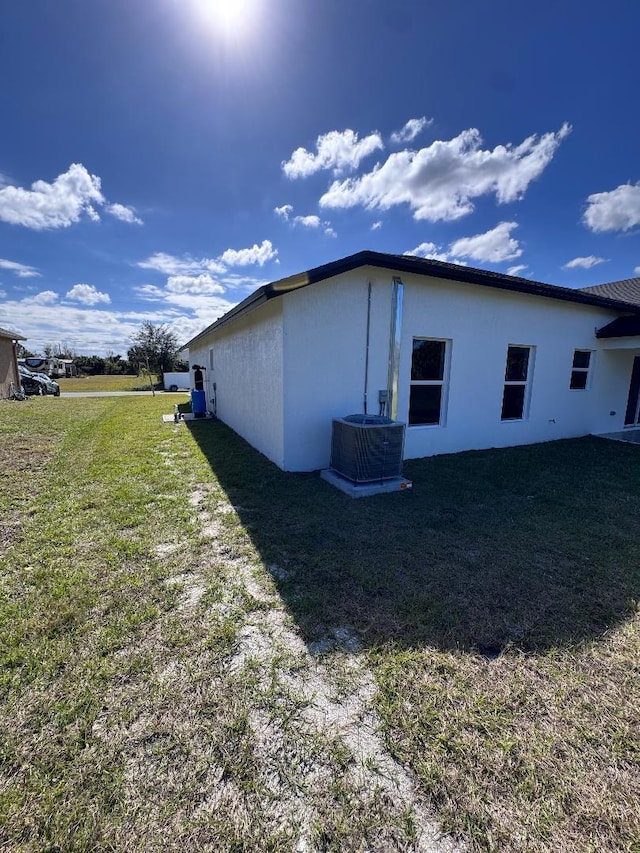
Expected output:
{"points": [[5, 333]]}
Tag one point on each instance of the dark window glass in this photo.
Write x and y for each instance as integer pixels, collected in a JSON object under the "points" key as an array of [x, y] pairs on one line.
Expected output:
{"points": [[427, 361], [513, 402], [578, 380], [424, 405], [632, 415], [517, 364], [581, 359]]}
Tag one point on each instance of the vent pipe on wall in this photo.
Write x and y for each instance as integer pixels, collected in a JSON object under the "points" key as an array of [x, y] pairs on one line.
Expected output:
{"points": [[366, 354], [394, 348]]}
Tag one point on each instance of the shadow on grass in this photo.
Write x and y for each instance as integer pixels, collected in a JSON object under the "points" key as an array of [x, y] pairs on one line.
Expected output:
{"points": [[535, 546]]}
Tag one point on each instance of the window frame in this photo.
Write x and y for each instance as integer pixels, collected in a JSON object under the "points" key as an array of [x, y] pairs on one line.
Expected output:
{"points": [[443, 383], [522, 383], [585, 370]]}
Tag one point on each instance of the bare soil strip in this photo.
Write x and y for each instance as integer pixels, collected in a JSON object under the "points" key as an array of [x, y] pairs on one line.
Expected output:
{"points": [[266, 746]]}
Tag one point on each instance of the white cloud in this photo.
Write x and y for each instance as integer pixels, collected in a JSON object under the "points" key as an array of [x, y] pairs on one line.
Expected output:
{"points": [[284, 212], [376, 225], [186, 265], [201, 284], [584, 263], [45, 297], [124, 213], [254, 255], [440, 182], [150, 292], [87, 294], [189, 266], [3, 293], [55, 205], [337, 150], [21, 270], [412, 128], [87, 330], [617, 210], [637, 271], [517, 269], [493, 246], [430, 251], [58, 204], [308, 221]]}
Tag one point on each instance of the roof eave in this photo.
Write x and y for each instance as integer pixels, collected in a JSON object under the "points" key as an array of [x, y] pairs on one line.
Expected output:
{"points": [[417, 266]]}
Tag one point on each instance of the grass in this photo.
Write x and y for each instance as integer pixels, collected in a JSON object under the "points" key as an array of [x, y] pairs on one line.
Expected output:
{"points": [[105, 383], [160, 586]]}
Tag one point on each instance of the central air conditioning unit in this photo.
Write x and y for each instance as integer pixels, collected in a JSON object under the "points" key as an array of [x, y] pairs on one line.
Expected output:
{"points": [[367, 448]]}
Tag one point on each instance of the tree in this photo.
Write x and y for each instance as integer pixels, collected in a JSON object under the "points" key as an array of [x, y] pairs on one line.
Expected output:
{"points": [[154, 347], [91, 365]]}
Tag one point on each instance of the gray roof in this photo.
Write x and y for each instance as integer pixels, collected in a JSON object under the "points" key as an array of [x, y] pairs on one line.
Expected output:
{"points": [[417, 266], [5, 333], [627, 290]]}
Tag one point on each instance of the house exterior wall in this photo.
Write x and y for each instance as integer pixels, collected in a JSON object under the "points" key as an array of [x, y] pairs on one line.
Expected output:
{"points": [[244, 360], [481, 324], [611, 385], [8, 371], [324, 363], [325, 332], [285, 369]]}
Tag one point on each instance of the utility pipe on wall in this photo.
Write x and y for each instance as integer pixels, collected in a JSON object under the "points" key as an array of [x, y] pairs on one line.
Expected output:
{"points": [[397, 289], [366, 354]]}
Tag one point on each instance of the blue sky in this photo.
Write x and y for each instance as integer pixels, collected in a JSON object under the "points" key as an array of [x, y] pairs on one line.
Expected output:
{"points": [[159, 160]]}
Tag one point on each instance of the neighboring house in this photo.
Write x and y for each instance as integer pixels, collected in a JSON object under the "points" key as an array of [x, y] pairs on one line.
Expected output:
{"points": [[8, 363], [469, 359]]}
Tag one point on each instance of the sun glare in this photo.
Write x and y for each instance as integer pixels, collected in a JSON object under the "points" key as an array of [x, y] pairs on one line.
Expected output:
{"points": [[233, 19]]}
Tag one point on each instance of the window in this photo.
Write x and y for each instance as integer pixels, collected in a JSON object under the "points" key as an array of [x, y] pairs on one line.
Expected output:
{"points": [[580, 370], [428, 371], [516, 378]]}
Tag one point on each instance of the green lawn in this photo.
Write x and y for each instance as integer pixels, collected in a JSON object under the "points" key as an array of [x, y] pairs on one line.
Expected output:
{"points": [[105, 383], [162, 586]]}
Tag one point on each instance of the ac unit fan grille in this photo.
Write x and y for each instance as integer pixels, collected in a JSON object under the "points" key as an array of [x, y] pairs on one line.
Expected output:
{"points": [[366, 449]]}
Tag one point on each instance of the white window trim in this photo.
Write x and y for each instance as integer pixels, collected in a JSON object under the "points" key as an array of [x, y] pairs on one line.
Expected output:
{"points": [[587, 370], [444, 383], [528, 382]]}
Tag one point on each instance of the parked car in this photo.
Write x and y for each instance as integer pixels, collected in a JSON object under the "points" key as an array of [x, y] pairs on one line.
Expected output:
{"points": [[51, 385], [31, 383]]}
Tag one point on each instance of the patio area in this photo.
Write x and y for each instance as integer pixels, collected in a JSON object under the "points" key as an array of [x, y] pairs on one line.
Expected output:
{"points": [[631, 436]]}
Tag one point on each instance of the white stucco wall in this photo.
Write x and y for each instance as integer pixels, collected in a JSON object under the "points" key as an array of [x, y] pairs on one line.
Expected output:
{"points": [[244, 359], [325, 327], [482, 323], [611, 383], [287, 368], [324, 358]]}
